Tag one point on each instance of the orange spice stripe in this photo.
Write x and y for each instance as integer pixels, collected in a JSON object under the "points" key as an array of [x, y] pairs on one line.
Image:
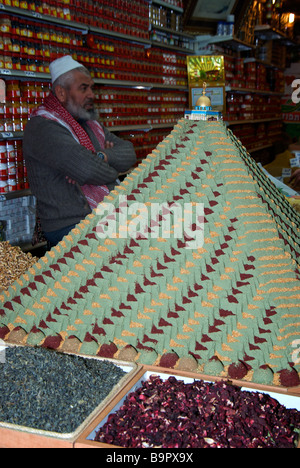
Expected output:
{"points": [[241, 191], [257, 213], [274, 265], [279, 280], [294, 296], [288, 306], [237, 169], [272, 239], [278, 257], [254, 231], [269, 221], [289, 325]]}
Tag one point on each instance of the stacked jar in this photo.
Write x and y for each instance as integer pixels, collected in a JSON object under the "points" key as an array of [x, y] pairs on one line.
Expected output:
{"points": [[13, 108], [11, 167], [58, 9], [3, 168], [120, 16], [29, 45], [21, 170], [21, 98], [8, 182], [13, 173]]}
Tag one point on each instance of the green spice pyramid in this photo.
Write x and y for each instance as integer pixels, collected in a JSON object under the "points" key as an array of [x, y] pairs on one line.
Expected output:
{"points": [[227, 306]]}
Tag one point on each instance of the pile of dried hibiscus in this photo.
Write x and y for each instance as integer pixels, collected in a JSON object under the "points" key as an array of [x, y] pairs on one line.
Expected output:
{"points": [[173, 414]]}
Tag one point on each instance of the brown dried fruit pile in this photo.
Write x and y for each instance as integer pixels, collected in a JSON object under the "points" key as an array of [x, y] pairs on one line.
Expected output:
{"points": [[173, 414], [13, 263]]}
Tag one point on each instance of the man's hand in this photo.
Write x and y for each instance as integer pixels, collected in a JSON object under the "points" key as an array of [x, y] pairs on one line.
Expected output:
{"points": [[70, 181], [109, 144]]}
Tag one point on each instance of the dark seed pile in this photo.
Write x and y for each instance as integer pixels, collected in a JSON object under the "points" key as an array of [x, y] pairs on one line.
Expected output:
{"points": [[51, 391], [173, 414]]}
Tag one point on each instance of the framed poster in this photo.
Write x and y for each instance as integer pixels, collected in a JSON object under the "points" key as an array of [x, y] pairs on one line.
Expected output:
{"points": [[216, 94], [208, 68]]}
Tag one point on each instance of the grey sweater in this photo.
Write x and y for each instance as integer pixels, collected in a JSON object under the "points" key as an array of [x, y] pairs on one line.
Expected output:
{"points": [[52, 154]]}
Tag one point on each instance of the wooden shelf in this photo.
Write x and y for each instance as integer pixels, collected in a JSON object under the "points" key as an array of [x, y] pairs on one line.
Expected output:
{"points": [[252, 91], [267, 33], [226, 41]]}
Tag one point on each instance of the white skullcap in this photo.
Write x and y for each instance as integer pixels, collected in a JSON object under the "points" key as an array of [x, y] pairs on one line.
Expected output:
{"points": [[62, 65]]}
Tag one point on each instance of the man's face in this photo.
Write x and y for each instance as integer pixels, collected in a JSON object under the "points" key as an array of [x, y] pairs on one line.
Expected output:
{"points": [[80, 97]]}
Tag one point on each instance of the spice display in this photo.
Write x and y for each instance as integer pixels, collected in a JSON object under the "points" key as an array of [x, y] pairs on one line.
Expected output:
{"points": [[13, 263], [226, 298], [52, 391], [174, 414]]}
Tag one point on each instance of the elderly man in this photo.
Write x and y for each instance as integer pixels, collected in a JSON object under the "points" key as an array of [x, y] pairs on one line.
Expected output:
{"points": [[72, 161]]}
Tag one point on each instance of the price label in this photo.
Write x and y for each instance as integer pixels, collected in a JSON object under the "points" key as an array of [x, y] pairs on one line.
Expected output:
{"points": [[294, 162], [5, 71], [7, 134], [35, 14], [30, 74], [286, 172]]}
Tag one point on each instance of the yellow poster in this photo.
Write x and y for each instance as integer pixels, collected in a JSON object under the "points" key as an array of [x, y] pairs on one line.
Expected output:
{"points": [[210, 69]]}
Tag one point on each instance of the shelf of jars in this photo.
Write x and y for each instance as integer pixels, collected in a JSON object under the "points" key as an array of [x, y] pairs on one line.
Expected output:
{"points": [[27, 48], [258, 135], [166, 27], [128, 23], [23, 75], [118, 107], [172, 40], [82, 20], [175, 5]]}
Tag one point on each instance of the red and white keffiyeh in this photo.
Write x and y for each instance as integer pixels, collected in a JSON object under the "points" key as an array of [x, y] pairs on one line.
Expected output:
{"points": [[52, 109]]}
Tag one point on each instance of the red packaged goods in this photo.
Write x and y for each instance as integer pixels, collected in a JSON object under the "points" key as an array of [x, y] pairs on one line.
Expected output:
{"points": [[3, 154]]}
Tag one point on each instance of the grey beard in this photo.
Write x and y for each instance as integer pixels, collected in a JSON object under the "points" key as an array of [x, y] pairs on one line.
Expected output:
{"points": [[79, 113]]}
